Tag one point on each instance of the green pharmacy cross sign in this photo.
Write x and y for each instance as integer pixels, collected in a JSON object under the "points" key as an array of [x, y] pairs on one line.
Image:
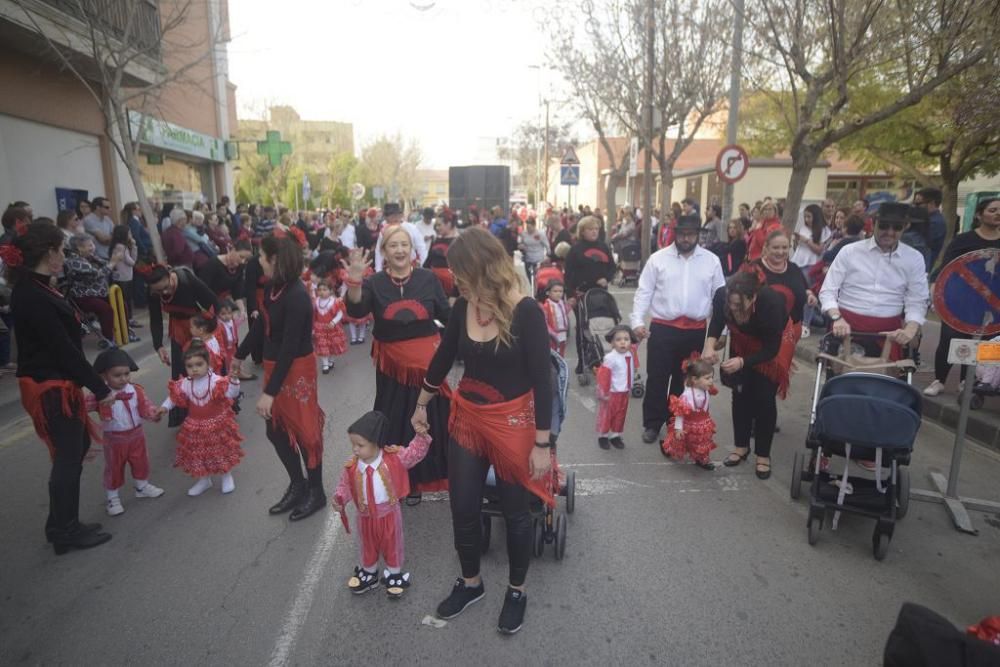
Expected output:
{"points": [[274, 148]]}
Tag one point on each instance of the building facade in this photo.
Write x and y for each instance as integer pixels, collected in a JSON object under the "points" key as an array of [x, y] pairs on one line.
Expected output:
{"points": [[54, 145], [314, 142]]}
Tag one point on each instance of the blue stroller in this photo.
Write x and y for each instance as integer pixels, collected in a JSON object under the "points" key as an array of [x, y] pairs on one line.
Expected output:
{"points": [[860, 416], [546, 526]]}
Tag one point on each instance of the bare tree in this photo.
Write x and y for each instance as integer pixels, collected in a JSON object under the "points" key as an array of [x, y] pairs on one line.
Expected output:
{"points": [[817, 61], [115, 41]]}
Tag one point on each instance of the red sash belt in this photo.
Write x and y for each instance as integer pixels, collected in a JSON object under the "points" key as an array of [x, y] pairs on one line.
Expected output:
{"points": [[682, 322], [778, 369], [504, 433], [869, 324], [73, 405], [446, 279], [405, 361], [296, 408]]}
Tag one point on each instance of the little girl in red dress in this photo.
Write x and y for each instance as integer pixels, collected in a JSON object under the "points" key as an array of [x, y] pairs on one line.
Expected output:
{"points": [[208, 442], [203, 331], [692, 430], [328, 333]]}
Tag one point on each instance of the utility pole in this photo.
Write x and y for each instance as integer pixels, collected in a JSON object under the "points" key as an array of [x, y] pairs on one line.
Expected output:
{"points": [[734, 101], [545, 158], [647, 177]]}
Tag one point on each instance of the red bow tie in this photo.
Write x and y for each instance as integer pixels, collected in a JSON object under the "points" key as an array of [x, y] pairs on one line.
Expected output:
{"points": [[124, 396]]}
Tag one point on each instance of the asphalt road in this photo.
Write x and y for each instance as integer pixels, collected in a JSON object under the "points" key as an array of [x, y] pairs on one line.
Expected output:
{"points": [[665, 563]]}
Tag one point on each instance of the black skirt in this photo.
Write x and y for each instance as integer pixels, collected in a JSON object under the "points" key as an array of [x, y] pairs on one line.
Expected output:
{"points": [[397, 402]]}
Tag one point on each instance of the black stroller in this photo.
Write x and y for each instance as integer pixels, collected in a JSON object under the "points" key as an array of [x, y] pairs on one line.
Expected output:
{"points": [[598, 314], [629, 256], [861, 416]]}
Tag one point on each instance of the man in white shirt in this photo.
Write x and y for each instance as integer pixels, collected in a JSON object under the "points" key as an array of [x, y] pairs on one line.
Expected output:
{"points": [[348, 236], [879, 284], [426, 226], [394, 216], [676, 289]]}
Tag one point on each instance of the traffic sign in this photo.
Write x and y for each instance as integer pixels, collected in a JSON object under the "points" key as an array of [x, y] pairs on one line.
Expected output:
{"points": [[569, 157], [357, 191], [633, 157], [732, 163], [306, 187], [569, 174], [967, 293], [963, 351]]}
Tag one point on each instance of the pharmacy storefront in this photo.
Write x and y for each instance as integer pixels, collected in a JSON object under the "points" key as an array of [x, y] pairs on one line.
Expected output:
{"points": [[178, 164]]}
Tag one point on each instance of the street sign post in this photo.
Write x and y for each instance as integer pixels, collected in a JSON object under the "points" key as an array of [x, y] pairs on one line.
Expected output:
{"points": [[731, 164], [306, 189], [966, 298], [569, 174]]}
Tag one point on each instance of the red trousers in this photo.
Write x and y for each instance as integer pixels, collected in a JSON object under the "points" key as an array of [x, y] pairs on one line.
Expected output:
{"points": [[381, 535], [101, 308], [121, 447], [611, 413]]}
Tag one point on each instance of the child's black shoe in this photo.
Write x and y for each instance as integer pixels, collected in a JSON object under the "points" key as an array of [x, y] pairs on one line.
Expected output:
{"points": [[362, 581], [617, 442], [603, 443], [395, 584]]}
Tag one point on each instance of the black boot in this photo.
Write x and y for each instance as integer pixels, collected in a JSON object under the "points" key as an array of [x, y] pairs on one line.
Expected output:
{"points": [[294, 495], [314, 502], [77, 538]]}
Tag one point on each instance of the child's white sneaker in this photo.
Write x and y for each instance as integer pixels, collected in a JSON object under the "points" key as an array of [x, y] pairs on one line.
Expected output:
{"points": [[148, 491], [200, 487], [115, 506], [228, 483]]}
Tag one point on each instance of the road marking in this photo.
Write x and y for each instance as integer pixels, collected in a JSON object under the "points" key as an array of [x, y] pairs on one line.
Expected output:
{"points": [[299, 611]]}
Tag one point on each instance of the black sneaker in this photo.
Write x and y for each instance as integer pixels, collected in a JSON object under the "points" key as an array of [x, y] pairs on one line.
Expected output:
{"points": [[395, 584], [617, 442], [512, 614], [461, 597], [603, 443], [362, 581], [650, 435]]}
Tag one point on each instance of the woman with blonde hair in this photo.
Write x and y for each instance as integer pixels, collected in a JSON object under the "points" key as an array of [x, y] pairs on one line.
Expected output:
{"points": [[500, 414], [404, 301]]}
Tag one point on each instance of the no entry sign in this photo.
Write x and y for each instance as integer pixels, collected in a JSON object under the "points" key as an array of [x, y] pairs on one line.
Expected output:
{"points": [[731, 163], [967, 293]]}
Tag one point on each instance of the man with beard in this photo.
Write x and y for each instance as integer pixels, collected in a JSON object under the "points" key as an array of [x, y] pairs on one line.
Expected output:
{"points": [[676, 289]]}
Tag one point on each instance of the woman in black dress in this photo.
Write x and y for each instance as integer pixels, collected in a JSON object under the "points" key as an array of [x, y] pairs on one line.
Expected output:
{"points": [[289, 401], [51, 370], [784, 277], [760, 362], [405, 302], [501, 413], [589, 264]]}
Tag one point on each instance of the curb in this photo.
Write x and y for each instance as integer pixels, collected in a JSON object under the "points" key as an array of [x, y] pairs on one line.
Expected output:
{"points": [[941, 411]]}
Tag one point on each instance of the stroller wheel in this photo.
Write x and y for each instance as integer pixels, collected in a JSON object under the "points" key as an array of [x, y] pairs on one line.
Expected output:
{"points": [[815, 525], [560, 546], [638, 390], [902, 492], [583, 379], [570, 491], [796, 489], [880, 544], [484, 543], [538, 536]]}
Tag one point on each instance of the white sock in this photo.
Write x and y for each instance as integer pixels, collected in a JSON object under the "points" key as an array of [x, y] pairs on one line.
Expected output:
{"points": [[354, 330], [140, 484], [394, 570], [112, 493], [613, 435], [370, 570]]}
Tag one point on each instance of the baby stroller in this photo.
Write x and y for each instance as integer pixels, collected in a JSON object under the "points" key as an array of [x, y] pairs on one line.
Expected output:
{"points": [[629, 255], [860, 415], [598, 314], [987, 383], [546, 526]]}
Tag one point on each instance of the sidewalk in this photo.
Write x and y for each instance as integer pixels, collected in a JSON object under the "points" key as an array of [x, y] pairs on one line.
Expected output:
{"points": [[984, 424]]}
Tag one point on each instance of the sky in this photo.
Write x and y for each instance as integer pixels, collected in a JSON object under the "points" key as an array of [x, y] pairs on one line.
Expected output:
{"points": [[388, 66]]}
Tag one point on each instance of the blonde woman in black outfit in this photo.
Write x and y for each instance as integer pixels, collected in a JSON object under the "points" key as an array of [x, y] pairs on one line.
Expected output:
{"points": [[500, 414]]}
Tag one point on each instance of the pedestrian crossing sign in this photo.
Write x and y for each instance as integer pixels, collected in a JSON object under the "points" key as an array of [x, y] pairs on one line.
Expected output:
{"points": [[569, 174]]}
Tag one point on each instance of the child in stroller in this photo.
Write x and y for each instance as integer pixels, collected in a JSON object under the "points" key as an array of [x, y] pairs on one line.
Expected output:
{"points": [[629, 255]]}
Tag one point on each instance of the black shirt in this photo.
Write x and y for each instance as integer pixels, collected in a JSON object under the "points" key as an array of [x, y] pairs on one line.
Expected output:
{"points": [[286, 331], [732, 255], [766, 323], [402, 315], [220, 279], [963, 243], [507, 372], [791, 284], [48, 336], [191, 297], [437, 254], [586, 263], [253, 279]]}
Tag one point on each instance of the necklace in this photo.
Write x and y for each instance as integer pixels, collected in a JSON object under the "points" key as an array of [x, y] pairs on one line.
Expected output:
{"points": [[277, 295], [400, 282], [50, 289], [481, 321], [772, 267], [208, 391]]}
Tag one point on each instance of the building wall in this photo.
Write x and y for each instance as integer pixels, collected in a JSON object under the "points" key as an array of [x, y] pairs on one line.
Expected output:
{"points": [[760, 182]]}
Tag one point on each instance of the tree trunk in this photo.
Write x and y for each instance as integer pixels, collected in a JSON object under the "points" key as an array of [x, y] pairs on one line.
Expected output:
{"points": [[610, 205], [803, 161], [128, 153], [666, 186], [949, 197]]}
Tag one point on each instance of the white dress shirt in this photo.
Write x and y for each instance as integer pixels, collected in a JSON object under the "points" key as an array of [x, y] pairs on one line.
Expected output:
{"points": [[381, 495], [348, 237], [672, 286], [418, 253], [622, 367], [867, 281], [124, 413]]}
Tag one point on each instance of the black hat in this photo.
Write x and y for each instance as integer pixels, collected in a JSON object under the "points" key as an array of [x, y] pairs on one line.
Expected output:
{"points": [[111, 358], [428, 212], [392, 208], [610, 336], [893, 212], [688, 223], [372, 426]]}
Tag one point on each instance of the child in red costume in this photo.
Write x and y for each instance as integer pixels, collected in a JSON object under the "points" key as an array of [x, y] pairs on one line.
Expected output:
{"points": [[328, 333], [208, 442], [121, 423], [378, 472], [556, 316], [227, 333], [203, 330], [614, 386], [691, 430]]}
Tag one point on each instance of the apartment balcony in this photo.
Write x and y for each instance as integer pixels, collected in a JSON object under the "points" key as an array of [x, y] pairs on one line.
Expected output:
{"points": [[130, 27]]}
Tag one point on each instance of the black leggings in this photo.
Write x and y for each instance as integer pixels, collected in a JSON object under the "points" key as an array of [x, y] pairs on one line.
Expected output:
{"points": [[71, 441], [283, 448], [941, 365], [755, 411], [466, 482]]}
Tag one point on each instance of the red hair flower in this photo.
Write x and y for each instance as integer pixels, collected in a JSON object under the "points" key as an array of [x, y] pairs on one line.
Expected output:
{"points": [[687, 362], [299, 236], [11, 255]]}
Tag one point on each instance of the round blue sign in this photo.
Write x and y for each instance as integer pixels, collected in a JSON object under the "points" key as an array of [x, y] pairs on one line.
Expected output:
{"points": [[967, 293]]}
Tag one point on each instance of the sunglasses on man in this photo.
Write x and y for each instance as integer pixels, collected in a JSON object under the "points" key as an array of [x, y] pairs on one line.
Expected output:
{"points": [[894, 226]]}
